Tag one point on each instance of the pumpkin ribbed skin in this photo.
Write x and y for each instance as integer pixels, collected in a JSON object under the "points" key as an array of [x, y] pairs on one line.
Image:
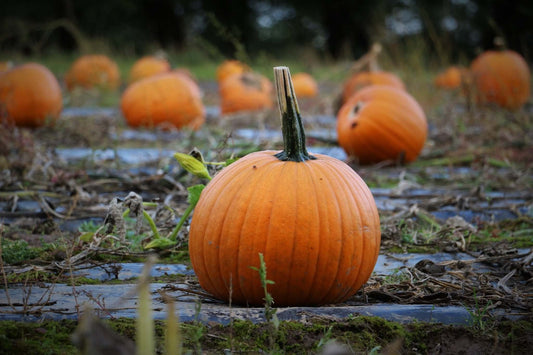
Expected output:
{"points": [[367, 78], [148, 66], [30, 95], [311, 216], [502, 77], [93, 71], [304, 85], [381, 123], [245, 92], [315, 223], [163, 98], [229, 68], [451, 78]]}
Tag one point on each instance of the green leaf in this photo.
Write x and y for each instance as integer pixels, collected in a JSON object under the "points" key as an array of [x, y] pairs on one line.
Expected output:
{"points": [[192, 165], [194, 194], [160, 243]]}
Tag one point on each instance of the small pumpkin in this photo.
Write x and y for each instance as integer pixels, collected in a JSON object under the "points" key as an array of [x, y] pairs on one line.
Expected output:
{"points": [[451, 78], [30, 95], [382, 123], [162, 99], [311, 216], [229, 68], [501, 77], [148, 66], [366, 78], [93, 71], [245, 92], [366, 72], [304, 85]]}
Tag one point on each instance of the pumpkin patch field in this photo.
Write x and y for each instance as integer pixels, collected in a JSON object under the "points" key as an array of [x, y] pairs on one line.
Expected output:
{"points": [[174, 206]]}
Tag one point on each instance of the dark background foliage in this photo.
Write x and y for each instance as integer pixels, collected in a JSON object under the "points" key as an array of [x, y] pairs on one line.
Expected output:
{"points": [[332, 28]]}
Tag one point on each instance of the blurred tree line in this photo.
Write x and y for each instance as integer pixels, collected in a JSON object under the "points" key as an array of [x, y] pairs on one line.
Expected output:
{"points": [[333, 28]]}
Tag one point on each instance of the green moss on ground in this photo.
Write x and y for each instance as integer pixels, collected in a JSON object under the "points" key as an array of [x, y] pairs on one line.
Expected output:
{"points": [[361, 334]]}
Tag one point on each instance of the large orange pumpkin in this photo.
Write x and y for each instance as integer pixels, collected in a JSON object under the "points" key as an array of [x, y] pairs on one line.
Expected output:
{"points": [[148, 66], [229, 68], [451, 78], [304, 85], [30, 95], [245, 92], [382, 123], [501, 77], [311, 216], [366, 78], [162, 99], [93, 71]]}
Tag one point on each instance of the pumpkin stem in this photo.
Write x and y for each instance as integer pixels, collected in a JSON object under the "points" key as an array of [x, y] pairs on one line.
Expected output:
{"points": [[499, 43], [291, 122]]}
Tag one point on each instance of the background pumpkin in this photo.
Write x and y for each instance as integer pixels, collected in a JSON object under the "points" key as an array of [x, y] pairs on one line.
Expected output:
{"points": [[187, 76], [366, 78], [160, 99], [501, 77], [245, 92], [30, 95], [5, 66], [382, 123], [312, 217], [93, 71], [229, 68], [366, 72], [451, 78], [148, 66], [304, 85]]}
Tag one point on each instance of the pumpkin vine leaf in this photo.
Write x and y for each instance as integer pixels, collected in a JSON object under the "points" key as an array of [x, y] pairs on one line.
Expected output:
{"points": [[194, 194]]}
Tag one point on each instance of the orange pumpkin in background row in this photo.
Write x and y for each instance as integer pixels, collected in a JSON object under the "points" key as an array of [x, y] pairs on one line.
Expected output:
{"points": [[162, 99], [311, 216], [93, 71], [245, 92], [304, 85], [366, 78], [451, 78], [229, 68], [5, 66], [187, 76], [382, 123], [501, 77], [30, 95], [148, 66]]}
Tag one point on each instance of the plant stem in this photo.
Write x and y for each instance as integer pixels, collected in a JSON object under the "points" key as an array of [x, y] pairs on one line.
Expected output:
{"points": [[145, 328], [215, 163], [151, 222], [183, 218], [291, 122]]}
